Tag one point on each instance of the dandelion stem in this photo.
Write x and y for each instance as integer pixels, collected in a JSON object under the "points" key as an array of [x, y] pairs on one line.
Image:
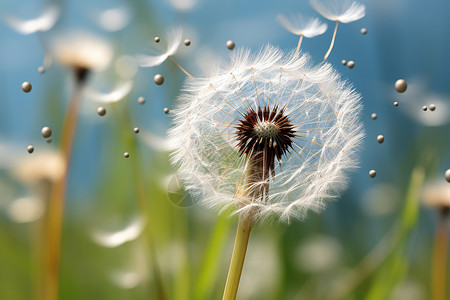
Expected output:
{"points": [[57, 196], [237, 260], [179, 66], [299, 44], [332, 41], [439, 265]]}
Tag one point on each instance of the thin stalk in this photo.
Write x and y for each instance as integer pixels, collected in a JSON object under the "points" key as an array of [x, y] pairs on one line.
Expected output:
{"points": [[237, 260], [57, 196], [299, 44], [332, 41], [179, 66], [439, 264]]}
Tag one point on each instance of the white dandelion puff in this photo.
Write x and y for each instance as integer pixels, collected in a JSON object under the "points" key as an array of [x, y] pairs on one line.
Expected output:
{"points": [[340, 11], [299, 25], [116, 238], [40, 24], [82, 50], [174, 38], [269, 133]]}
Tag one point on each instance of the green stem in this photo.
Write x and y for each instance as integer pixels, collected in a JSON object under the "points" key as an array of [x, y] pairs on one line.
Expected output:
{"points": [[439, 264], [237, 260], [57, 196]]}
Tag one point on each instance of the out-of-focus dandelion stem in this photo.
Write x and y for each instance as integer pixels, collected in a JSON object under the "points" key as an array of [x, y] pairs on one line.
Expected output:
{"points": [[179, 66], [439, 267], [237, 260], [57, 196], [332, 41], [299, 44]]}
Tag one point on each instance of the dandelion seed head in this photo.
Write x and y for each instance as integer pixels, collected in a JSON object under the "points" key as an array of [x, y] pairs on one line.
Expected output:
{"points": [[344, 11], [272, 112], [299, 25]]}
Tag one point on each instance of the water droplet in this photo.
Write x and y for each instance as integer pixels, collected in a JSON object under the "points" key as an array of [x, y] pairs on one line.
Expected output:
{"points": [[380, 139], [187, 42], [447, 175], [363, 31], [46, 132], [166, 110], [158, 79], [41, 70], [136, 130], [141, 100], [30, 149], [400, 85], [374, 116], [372, 173], [156, 39], [230, 45], [126, 155], [432, 107], [395, 103], [49, 140], [351, 64], [26, 86], [343, 62], [101, 111], [424, 108]]}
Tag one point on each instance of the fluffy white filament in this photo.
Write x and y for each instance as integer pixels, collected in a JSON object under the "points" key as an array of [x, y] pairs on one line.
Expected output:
{"points": [[299, 25], [173, 43], [42, 23], [324, 109], [343, 11]]}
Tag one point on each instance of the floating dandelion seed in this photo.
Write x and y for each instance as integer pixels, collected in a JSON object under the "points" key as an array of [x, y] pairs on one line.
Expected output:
{"points": [[268, 135], [30, 149], [447, 175], [424, 108], [372, 173], [187, 42], [166, 110], [156, 39], [40, 24], [432, 107], [126, 155], [141, 100], [118, 93], [173, 43], [230, 45], [343, 62], [46, 132], [380, 139], [158, 79], [351, 64], [101, 111], [363, 31], [136, 130], [304, 27], [374, 116], [26, 86], [395, 103], [41, 70], [339, 11], [401, 85]]}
